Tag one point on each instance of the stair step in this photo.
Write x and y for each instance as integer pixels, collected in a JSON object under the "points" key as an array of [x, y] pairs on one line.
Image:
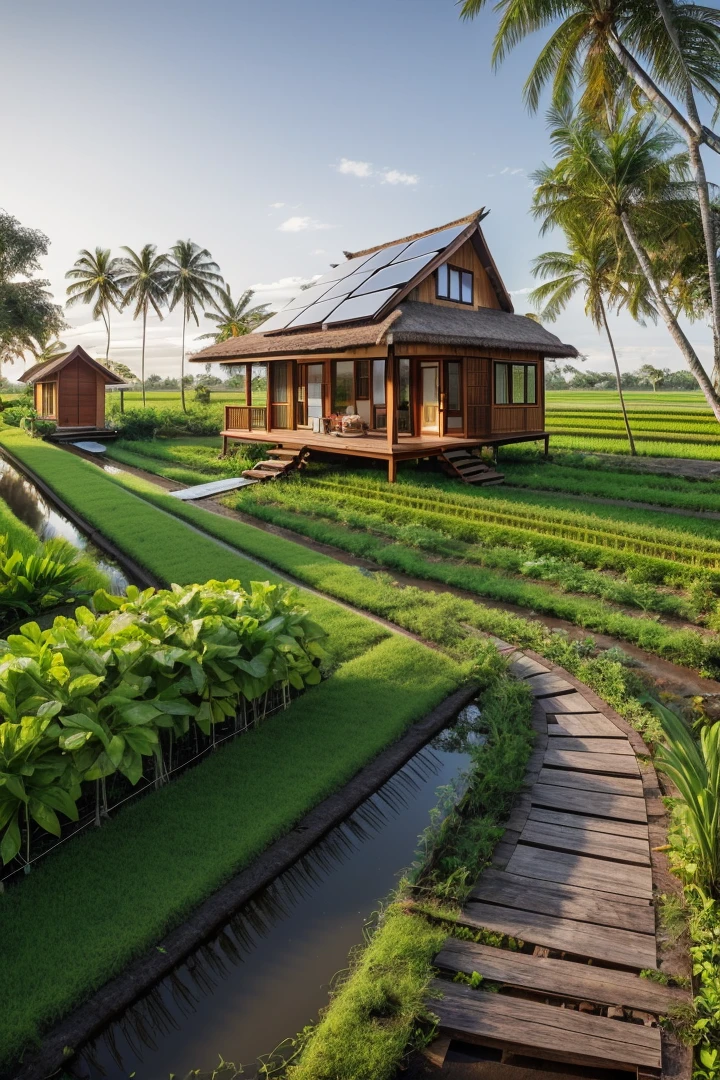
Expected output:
{"points": [[488, 478], [284, 455], [272, 466], [260, 474]]}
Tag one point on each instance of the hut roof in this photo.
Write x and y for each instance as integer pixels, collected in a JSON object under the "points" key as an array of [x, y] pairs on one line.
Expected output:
{"points": [[412, 322], [40, 372]]}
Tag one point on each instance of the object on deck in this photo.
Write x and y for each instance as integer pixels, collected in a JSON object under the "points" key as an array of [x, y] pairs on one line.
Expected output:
{"points": [[213, 487]]}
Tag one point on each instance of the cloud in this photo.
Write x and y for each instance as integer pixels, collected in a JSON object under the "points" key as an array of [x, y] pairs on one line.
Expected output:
{"points": [[394, 176], [521, 292], [318, 251], [355, 168], [276, 205], [511, 172], [302, 224], [286, 284], [365, 170]]}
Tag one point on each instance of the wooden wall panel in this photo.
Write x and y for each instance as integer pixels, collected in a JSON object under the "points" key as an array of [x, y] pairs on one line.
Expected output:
{"points": [[466, 258], [477, 389], [511, 419]]}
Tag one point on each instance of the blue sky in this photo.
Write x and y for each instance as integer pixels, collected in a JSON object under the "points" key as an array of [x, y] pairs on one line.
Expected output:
{"points": [[276, 134]]}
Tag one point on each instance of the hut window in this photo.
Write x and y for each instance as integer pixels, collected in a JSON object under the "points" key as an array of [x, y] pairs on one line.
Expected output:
{"points": [[344, 388], [454, 284], [280, 373], [403, 403], [362, 379], [515, 384], [47, 399]]}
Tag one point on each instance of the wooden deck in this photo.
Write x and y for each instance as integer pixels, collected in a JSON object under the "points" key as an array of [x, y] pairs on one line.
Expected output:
{"points": [[374, 444], [572, 879]]}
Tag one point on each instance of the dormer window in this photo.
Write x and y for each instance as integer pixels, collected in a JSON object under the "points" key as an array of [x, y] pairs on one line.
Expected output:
{"points": [[454, 284]]}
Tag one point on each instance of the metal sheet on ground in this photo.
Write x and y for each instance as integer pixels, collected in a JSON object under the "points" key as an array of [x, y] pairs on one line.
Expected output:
{"points": [[213, 487]]}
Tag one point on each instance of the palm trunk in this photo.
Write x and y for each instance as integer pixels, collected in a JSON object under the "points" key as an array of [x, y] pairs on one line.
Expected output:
{"points": [[106, 320], [142, 359], [633, 451], [182, 368], [670, 320]]}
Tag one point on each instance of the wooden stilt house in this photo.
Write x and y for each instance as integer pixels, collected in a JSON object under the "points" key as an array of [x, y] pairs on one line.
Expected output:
{"points": [[408, 349]]}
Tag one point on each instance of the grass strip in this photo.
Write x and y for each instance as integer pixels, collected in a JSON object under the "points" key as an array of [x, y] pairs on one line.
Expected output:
{"points": [[116, 891], [687, 647], [379, 1012], [667, 491]]}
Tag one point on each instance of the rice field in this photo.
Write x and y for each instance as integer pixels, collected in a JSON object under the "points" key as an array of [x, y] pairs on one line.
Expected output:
{"points": [[663, 424]]}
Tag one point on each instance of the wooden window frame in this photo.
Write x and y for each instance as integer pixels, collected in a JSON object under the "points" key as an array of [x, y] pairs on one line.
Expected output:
{"points": [[460, 270], [362, 393], [511, 402], [53, 388]]}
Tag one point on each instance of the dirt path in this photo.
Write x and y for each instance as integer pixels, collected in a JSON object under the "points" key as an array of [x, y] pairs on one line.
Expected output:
{"points": [[692, 468], [631, 505]]}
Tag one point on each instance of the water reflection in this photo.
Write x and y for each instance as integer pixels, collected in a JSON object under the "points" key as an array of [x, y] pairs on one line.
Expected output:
{"points": [[32, 508], [268, 973]]}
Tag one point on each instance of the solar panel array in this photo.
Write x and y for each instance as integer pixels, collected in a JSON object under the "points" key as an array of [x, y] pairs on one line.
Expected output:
{"points": [[360, 287]]}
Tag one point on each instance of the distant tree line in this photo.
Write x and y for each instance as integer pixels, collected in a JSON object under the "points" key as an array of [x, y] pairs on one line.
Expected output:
{"points": [[567, 377]]}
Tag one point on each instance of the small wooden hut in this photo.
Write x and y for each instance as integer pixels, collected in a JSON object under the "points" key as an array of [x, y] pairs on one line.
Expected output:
{"points": [[70, 390], [408, 349]]}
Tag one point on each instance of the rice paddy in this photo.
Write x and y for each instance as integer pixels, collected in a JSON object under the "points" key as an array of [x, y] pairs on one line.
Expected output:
{"points": [[664, 424]]}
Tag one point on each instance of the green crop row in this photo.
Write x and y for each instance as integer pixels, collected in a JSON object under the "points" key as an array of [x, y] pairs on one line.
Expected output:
{"points": [[615, 444], [687, 647], [659, 490]]}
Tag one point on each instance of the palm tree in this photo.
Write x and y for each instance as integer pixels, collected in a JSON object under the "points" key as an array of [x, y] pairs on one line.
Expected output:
{"points": [[193, 278], [666, 48], [94, 279], [143, 277], [590, 266], [43, 350], [627, 183], [234, 318]]}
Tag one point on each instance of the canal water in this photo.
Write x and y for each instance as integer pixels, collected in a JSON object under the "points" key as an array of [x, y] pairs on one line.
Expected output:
{"points": [[269, 972], [34, 510]]}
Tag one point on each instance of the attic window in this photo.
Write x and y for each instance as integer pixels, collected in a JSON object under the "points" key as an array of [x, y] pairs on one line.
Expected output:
{"points": [[454, 284]]}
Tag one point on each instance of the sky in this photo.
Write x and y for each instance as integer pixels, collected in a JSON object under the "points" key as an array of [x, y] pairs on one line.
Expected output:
{"points": [[276, 134]]}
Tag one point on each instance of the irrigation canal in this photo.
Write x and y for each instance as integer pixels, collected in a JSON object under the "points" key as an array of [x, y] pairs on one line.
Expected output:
{"points": [[269, 971], [33, 509]]}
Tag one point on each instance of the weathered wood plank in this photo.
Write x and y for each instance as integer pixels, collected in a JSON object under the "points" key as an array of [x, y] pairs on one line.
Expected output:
{"points": [[625, 849], [609, 764], [564, 901], [593, 824], [562, 978], [554, 1033], [609, 944], [523, 667], [566, 703], [620, 878], [585, 745], [547, 685], [587, 781], [600, 803], [592, 724]]}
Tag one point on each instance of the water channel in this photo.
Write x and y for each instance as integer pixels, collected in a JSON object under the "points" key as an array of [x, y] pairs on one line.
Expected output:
{"points": [[33, 509], [268, 973]]}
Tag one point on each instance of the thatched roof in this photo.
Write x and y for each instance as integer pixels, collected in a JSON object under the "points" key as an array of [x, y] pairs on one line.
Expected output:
{"points": [[41, 372], [411, 322]]}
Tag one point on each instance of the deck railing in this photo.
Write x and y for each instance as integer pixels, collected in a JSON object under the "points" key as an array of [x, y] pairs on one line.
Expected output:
{"points": [[245, 417]]}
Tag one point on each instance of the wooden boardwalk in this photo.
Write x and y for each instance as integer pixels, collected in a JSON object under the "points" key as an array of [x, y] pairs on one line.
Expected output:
{"points": [[573, 880]]}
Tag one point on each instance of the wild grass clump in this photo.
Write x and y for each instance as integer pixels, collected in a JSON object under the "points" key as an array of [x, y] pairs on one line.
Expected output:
{"points": [[150, 422]]}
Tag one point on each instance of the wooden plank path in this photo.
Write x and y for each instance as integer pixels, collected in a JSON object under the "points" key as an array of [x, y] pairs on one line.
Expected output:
{"points": [[572, 880]]}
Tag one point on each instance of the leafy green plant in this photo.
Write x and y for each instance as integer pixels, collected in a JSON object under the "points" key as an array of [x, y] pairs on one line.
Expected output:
{"points": [[694, 768], [32, 582]]}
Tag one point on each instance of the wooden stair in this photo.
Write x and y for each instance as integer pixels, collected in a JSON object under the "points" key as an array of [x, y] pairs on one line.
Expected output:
{"points": [[471, 470], [280, 463]]}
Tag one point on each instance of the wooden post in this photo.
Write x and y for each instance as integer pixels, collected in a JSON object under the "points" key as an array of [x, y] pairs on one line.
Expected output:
{"points": [[122, 401], [224, 449], [392, 470], [547, 445], [269, 396], [391, 407], [293, 390]]}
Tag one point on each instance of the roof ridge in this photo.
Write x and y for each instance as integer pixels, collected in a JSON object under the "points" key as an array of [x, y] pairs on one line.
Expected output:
{"points": [[476, 215]]}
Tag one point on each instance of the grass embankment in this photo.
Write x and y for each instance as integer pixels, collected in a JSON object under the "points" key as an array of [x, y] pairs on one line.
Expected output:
{"points": [[145, 870], [663, 424], [431, 539], [184, 460], [379, 1012], [599, 480]]}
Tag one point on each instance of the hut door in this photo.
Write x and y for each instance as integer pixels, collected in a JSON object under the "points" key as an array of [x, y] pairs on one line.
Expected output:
{"points": [[314, 391], [430, 389]]}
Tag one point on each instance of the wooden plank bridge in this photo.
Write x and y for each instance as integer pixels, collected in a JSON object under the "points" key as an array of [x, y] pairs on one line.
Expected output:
{"points": [[573, 880]]}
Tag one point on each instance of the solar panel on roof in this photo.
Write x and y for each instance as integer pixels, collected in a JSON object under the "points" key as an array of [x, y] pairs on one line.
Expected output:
{"points": [[395, 274], [433, 242], [360, 307], [315, 313], [350, 266], [384, 256], [307, 296], [276, 322], [347, 285]]}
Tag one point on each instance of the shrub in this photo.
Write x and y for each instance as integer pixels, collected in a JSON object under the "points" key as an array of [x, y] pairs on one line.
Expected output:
{"points": [[95, 695], [148, 423], [15, 413]]}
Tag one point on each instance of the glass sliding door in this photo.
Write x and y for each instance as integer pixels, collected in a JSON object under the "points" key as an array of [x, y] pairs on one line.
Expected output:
{"points": [[314, 392], [281, 382], [453, 397], [259, 397], [404, 411], [344, 386], [430, 390]]}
